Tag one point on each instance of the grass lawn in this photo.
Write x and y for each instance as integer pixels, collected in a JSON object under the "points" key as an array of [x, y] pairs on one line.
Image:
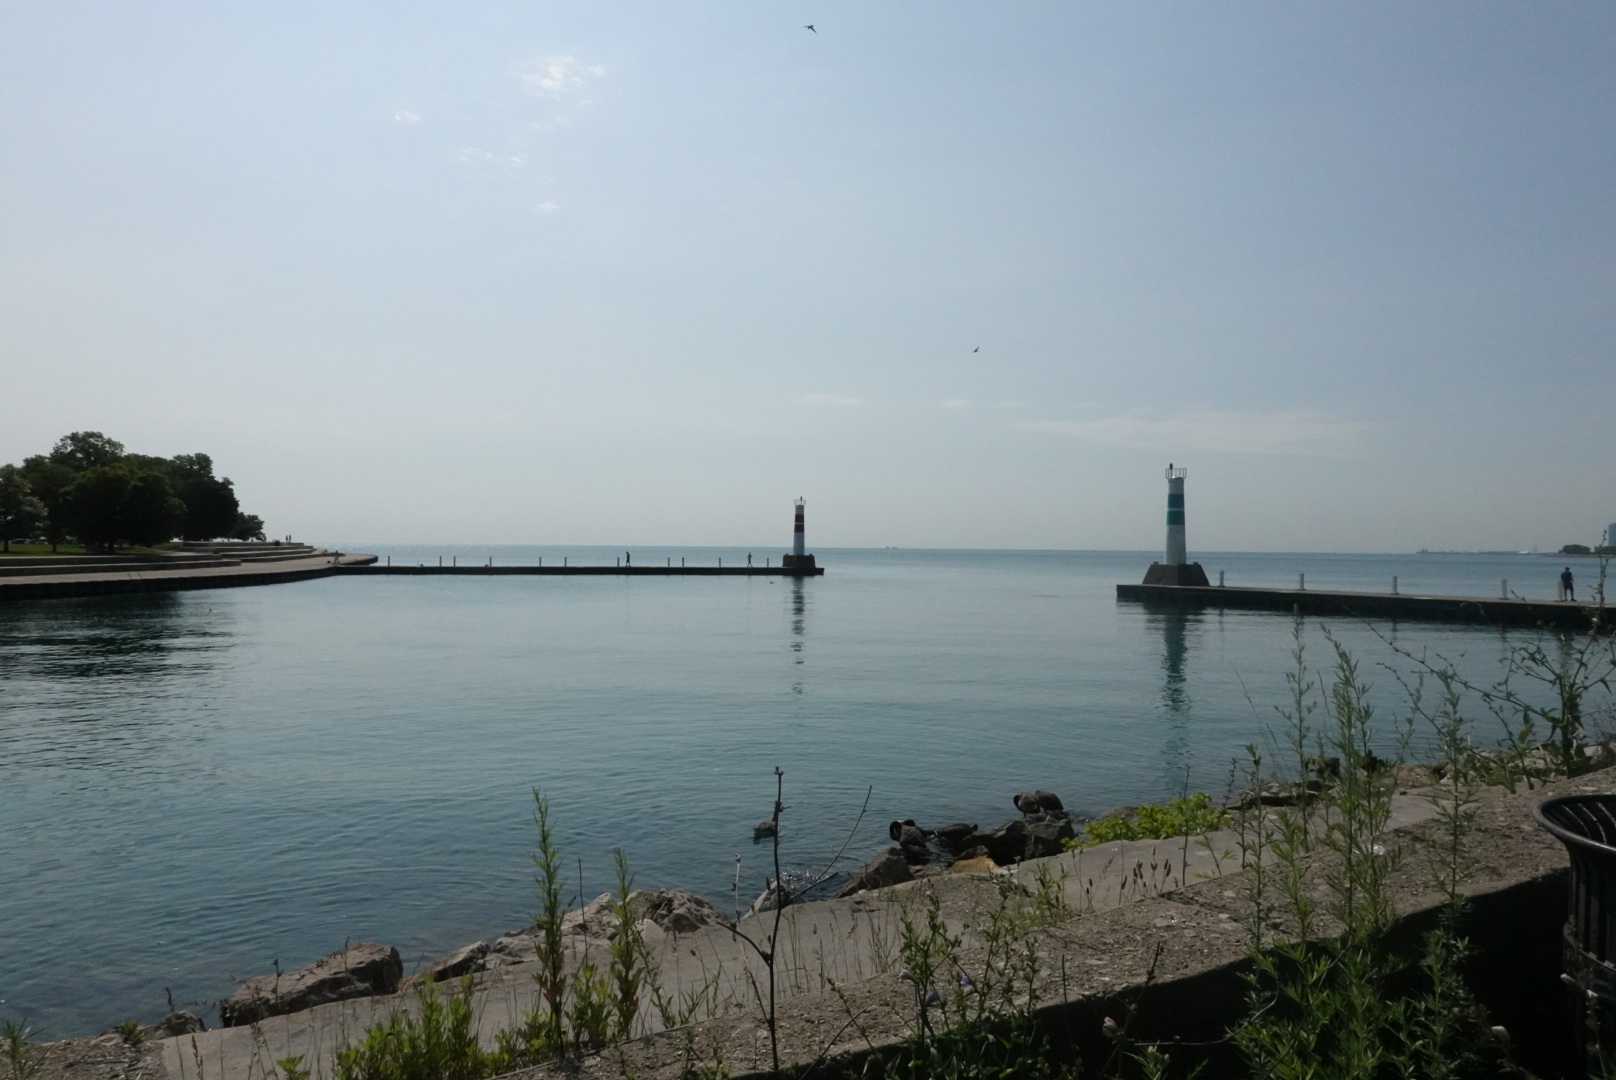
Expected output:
{"points": [[79, 549]]}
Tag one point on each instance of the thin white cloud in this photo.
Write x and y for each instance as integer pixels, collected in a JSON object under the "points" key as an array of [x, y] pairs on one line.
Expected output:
{"points": [[548, 206], [559, 77], [474, 155], [405, 116], [1293, 431], [954, 404], [831, 399]]}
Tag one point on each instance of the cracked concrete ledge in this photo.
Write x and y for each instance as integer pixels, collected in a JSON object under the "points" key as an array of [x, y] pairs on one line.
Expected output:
{"points": [[1099, 963], [1178, 906]]}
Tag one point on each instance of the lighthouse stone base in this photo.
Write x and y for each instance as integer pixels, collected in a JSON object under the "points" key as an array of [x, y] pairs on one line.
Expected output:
{"points": [[1176, 574], [797, 562]]}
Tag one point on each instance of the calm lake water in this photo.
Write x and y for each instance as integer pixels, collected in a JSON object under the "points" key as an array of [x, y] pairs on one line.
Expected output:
{"points": [[194, 785]]}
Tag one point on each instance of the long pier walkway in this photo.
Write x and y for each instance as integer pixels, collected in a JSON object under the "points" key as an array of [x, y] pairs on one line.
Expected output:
{"points": [[219, 566], [567, 570], [1395, 606]]}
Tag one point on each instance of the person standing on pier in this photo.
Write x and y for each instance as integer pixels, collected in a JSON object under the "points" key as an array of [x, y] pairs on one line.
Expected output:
{"points": [[628, 558], [1568, 584]]}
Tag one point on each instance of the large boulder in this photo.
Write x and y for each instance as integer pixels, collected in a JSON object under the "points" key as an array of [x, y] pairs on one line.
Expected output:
{"points": [[361, 970], [1048, 837], [1038, 802], [769, 899], [888, 868], [464, 961], [1006, 844], [596, 919], [176, 1023], [669, 911], [677, 911]]}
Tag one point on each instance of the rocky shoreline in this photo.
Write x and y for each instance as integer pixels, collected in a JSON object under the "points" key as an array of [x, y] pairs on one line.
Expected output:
{"points": [[368, 969]]}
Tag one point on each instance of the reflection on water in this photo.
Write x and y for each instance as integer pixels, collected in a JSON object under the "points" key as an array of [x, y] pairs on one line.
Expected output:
{"points": [[95, 683], [799, 608], [1175, 626]]}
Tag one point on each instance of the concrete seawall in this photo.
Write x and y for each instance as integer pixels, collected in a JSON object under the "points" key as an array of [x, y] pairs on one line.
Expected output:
{"points": [[1395, 606], [564, 571], [176, 576], [1162, 927]]}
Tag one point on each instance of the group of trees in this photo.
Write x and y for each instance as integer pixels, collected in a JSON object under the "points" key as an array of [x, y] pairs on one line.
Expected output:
{"points": [[90, 490]]}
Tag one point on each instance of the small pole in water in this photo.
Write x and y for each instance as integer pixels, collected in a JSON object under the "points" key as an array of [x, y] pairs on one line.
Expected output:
{"points": [[389, 560], [454, 560], [563, 560], [1301, 581], [541, 560], [670, 562], [1503, 588], [1220, 579], [440, 560], [681, 562], [1394, 584], [720, 563]]}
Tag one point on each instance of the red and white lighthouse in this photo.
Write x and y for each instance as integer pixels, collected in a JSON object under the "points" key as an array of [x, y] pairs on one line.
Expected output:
{"points": [[799, 559]]}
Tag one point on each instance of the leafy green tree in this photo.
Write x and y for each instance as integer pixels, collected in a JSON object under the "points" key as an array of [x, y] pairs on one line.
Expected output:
{"points": [[86, 450], [112, 504], [211, 508], [184, 467], [210, 502], [48, 481], [248, 527], [20, 512]]}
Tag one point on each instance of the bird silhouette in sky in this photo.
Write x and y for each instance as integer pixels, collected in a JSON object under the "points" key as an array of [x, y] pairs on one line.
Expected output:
{"points": [[810, 26], [977, 349]]}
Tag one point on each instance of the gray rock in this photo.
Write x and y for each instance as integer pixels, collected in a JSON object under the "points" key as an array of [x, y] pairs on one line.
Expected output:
{"points": [[465, 961], [596, 920], [887, 868], [956, 836], [671, 911], [1038, 802], [1048, 837], [1006, 844], [677, 911], [176, 1023], [361, 970], [516, 947], [768, 900]]}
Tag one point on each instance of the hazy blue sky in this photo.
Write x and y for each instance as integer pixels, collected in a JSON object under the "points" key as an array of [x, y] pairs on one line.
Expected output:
{"points": [[641, 273]]}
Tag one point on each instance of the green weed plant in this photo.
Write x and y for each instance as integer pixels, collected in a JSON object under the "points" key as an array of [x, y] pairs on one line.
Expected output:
{"points": [[1189, 815]]}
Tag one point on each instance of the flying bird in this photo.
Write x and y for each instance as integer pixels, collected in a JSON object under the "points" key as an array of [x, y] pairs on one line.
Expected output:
{"points": [[977, 349], [810, 26]]}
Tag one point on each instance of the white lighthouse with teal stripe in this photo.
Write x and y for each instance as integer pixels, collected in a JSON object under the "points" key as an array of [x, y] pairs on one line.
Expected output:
{"points": [[1176, 553], [1175, 568]]}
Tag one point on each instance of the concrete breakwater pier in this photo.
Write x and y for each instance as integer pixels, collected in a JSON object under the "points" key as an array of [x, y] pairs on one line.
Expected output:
{"points": [[565, 570], [197, 566], [1500, 611], [1175, 582]]}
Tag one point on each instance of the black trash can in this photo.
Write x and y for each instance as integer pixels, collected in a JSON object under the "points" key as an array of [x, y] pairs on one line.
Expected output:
{"points": [[1586, 825]]}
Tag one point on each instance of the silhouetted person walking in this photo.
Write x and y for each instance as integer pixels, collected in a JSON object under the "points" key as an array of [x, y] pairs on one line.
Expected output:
{"points": [[628, 558], [1569, 584]]}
